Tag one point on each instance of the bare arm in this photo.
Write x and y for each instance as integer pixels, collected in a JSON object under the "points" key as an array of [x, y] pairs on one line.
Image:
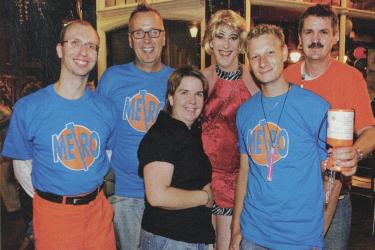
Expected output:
{"points": [[159, 193], [210, 74], [241, 189], [5, 113], [330, 209]]}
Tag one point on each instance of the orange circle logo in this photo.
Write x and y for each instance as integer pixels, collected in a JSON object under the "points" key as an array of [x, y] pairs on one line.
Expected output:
{"points": [[259, 143], [76, 147], [141, 110]]}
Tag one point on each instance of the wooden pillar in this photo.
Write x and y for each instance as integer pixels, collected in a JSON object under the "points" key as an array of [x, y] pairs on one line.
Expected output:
{"points": [[203, 30], [342, 30], [248, 22], [102, 55]]}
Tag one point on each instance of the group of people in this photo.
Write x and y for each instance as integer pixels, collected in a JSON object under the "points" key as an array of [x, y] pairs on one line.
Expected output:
{"points": [[226, 156]]}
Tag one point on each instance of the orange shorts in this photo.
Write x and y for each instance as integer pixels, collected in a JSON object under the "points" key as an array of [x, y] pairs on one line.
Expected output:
{"points": [[61, 226]]}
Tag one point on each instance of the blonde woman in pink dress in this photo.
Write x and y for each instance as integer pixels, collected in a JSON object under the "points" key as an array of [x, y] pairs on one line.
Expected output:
{"points": [[230, 84]]}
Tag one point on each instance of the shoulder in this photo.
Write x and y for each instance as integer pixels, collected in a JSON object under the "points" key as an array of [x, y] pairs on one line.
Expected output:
{"points": [[118, 68], [248, 105], [153, 140], [207, 72], [293, 72], [246, 73], [210, 75], [100, 100], [163, 74], [249, 81], [30, 106], [34, 99], [294, 67], [113, 72], [167, 69], [307, 97], [113, 77], [103, 106], [345, 69]]}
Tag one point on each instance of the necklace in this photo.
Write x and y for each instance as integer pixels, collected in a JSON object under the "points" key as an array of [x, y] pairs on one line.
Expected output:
{"points": [[272, 153], [234, 75]]}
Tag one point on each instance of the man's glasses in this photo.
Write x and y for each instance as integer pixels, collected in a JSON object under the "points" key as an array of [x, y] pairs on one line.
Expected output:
{"points": [[76, 44], [140, 34]]}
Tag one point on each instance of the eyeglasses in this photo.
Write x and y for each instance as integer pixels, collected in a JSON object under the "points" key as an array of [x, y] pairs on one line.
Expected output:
{"points": [[140, 34], [76, 44]]}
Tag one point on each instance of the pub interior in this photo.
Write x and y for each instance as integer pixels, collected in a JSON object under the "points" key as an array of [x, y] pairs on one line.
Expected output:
{"points": [[29, 31]]}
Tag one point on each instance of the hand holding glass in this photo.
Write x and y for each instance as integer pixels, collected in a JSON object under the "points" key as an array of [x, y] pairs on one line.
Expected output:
{"points": [[339, 134]]}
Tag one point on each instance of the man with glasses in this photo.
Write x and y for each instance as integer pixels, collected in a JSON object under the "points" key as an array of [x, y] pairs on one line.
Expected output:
{"points": [[65, 129], [137, 89]]}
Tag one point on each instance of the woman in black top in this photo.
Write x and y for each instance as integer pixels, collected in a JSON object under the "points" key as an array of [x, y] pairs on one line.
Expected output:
{"points": [[176, 171]]}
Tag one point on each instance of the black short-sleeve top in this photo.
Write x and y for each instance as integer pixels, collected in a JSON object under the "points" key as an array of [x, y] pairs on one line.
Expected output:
{"points": [[170, 140]]}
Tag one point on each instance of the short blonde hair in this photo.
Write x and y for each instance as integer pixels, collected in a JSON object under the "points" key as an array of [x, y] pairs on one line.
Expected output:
{"points": [[266, 29], [221, 19]]}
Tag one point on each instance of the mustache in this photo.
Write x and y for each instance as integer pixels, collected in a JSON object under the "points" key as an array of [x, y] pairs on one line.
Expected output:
{"points": [[315, 45]]}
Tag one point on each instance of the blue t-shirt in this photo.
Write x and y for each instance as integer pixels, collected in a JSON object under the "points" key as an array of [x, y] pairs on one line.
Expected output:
{"points": [[66, 139], [287, 212], [138, 97]]}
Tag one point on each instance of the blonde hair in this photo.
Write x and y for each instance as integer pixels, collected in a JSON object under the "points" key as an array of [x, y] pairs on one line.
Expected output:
{"points": [[221, 19], [266, 29]]}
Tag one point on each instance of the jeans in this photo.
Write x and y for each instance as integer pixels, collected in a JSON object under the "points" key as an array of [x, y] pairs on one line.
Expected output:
{"points": [[151, 241], [337, 237], [127, 221], [29, 231], [248, 245]]}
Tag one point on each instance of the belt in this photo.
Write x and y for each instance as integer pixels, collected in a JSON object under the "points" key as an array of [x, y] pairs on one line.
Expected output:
{"points": [[71, 200]]}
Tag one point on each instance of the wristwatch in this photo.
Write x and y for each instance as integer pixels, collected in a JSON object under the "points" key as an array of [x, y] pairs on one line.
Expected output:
{"points": [[329, 173]]}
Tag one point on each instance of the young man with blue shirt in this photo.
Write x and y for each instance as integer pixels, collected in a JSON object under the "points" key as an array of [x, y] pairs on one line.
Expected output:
{"points": [[138, 92], [282, 133], [65, 130]]}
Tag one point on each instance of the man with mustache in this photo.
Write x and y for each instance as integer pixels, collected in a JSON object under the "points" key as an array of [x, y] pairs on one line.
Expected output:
{"points": [[343, 87]]}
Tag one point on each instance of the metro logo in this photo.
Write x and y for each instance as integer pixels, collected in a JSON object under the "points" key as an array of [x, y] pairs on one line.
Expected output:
{"points": [[259, 143], [141, 110], [76, 147]]}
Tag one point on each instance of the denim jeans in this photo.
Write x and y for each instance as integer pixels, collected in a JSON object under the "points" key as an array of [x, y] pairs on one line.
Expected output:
{"points": [[29, 230], [249, 245], [337, 237], [127, 221], [151, 241]]}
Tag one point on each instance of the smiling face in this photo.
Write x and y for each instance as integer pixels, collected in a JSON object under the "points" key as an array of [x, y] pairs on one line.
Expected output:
{"points": [[226, 47], [147, 50], [188, 100], [267, 56], [317, 38], [78, 60]]}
